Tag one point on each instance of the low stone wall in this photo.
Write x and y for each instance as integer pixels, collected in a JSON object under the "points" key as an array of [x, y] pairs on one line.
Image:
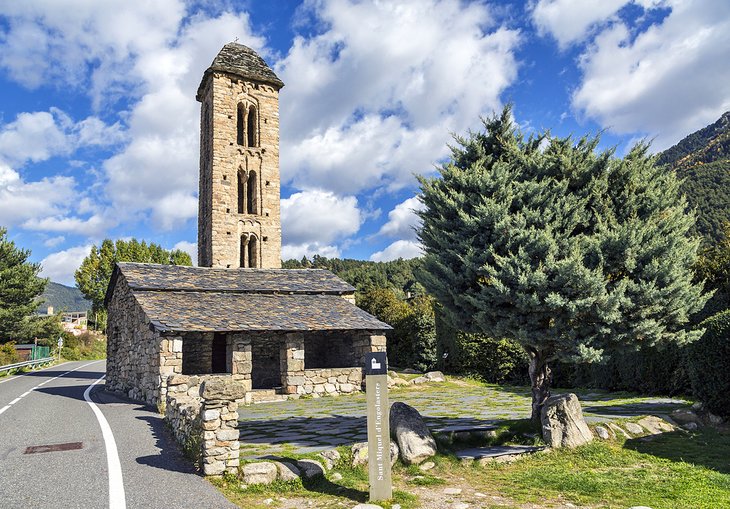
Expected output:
{"points": [[203, 414], [329, 381]]}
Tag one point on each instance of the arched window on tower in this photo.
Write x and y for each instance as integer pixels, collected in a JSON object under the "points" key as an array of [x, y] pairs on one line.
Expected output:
{"points": [[251, 127], [253, 252], [241, 191], [242, 262], [240, 127], [251, 193]]}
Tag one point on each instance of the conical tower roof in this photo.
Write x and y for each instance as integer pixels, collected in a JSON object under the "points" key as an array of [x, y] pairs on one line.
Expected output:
{"points": [[242, 61]]}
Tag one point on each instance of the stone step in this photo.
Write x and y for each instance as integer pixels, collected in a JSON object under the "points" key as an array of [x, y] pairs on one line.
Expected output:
{"points": [[477, 453]]}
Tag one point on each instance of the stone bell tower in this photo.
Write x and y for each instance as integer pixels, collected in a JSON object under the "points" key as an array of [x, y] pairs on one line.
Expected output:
{"points": [[239, 222]]}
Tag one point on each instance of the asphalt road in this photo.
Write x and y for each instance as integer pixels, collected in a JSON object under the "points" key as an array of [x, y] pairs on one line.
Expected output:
{"points": [[54, 452]]}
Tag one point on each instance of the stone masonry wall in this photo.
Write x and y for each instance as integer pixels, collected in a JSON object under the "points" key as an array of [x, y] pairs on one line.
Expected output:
{"points": [[138, 358], [331, 381], [220, 226], [203, 414]]}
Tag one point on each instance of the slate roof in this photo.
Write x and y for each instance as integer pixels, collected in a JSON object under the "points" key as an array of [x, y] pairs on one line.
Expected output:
{"points": [[150, 276], [241, 61], [215, 311], [203, 299]]}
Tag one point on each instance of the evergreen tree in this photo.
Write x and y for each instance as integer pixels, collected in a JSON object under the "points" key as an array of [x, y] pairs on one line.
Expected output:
{"points": [[20, 288], [570, 252], [93, 276]]}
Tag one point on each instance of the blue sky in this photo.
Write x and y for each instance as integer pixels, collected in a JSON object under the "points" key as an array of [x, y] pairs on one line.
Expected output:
{"points": [[99, 123]]}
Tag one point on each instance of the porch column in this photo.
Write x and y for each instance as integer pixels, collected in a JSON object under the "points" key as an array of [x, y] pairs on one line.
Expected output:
{"points": [[292, 363], [240, 359]]}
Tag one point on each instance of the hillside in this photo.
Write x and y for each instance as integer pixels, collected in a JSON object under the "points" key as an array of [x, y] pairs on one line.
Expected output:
{"points": [[702, 159], [63, 298]]}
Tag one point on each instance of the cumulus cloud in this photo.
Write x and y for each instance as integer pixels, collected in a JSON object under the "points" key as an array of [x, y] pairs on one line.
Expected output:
{"points": [[60, 266], [402, 220], [379, 89], [297, 251], [23, 201], [399, 249], [664, 81], [190, 248], [92, 226], [318, 218], [569, 21]]}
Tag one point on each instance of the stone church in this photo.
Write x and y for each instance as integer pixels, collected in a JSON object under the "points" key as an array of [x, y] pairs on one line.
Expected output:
{"points": [[239, 312]]}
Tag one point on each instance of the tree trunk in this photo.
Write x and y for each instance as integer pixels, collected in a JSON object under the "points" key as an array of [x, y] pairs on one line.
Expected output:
{"points": [[541, 379]]}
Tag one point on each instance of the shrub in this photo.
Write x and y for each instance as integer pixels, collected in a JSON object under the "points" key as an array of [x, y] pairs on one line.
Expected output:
{"points": [[8, 355], [708, 363]]}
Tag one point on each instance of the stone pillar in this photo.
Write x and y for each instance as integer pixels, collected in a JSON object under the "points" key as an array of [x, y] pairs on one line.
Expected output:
{"points": [[241, 359], [292, 363], [220, 447], [171, 361]]}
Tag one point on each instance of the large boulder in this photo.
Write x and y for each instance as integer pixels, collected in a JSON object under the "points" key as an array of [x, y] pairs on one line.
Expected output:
{"points": [[562, 422], [261, 472], [407, 428]]}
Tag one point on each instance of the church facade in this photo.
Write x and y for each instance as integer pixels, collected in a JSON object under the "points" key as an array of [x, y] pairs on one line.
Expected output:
{"points": [[238, 313]]}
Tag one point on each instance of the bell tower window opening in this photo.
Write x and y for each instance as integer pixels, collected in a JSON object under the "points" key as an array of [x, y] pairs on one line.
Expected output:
{"points": [[251, 127], [243, 252], [253, 252], [241, 192], [240, 127], [251, 193]]}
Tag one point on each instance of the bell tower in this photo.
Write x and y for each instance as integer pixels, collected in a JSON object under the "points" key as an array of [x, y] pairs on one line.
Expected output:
{"points": [[239, 222]]}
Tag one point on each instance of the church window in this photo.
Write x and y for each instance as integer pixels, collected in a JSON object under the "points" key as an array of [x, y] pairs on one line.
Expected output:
{"points": [[253, 252], [251, 127], [243, 252], [251, 193], [240, 125], [241, 192]]}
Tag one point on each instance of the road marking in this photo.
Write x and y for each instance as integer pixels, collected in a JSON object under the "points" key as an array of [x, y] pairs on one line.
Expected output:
{"points": [[41, 385], [33, 371], [116, 483]]}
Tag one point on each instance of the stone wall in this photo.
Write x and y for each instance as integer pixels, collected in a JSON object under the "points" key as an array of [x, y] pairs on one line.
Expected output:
{"points": [[138, 358], [331, 381], [220, 226], [203, 414]]}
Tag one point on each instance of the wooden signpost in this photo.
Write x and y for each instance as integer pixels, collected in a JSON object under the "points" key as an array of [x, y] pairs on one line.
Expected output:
{"points": [[376, 389]]}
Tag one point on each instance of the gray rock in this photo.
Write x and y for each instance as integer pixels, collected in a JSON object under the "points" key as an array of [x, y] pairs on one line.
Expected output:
{"points": [[435, 376], [655, 425], [419, 380], [367, 506], [562, 422], [690, 426], [360, 453], [682, 415], [261, 472], [452, 491], [310, 468], [336, 476], [698, 405], [714, 419], [427, 466], [407, 428], [617, 429], [330, 458], [634, 428], [287, 471], [603, 433]]}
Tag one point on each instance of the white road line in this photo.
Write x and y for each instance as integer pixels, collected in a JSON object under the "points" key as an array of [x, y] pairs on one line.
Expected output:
{"points": [[3, 409], [116, 483], [34, 371]]}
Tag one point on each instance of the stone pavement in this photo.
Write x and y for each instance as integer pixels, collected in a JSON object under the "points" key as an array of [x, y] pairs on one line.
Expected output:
{"points": [[310, 425]]}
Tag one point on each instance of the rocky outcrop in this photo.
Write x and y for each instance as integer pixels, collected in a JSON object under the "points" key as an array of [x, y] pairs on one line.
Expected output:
{"points": [[415, 442], [562, 422]]}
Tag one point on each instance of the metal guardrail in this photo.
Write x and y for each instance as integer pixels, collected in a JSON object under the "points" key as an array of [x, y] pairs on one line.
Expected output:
{"points": [[17, 365]]}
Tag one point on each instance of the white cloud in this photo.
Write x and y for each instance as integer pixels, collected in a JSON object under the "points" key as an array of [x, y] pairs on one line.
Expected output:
{"points": [[54, 241], [94, 226], [317, 218], [399, 249], [32, 137], [60, 266], [403, 219], [22, 201], [378, 90], [190, 248], [667, 80], [291, 251], [569, 21]]}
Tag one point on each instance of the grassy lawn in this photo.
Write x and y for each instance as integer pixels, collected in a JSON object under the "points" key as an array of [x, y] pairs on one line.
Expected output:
{"points": [[673, 470]]}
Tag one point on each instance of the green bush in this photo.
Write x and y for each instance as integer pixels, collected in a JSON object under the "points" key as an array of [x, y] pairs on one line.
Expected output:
{"points": [[708, 363], [8, 355], [86, 346]]}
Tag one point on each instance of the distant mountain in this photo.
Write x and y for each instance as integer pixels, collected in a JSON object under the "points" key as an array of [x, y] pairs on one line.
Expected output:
{"points": [[702, 159], [63, 298]]}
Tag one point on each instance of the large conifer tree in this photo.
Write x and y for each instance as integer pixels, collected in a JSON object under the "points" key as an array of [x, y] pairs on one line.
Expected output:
{"points": [[569, 251]]}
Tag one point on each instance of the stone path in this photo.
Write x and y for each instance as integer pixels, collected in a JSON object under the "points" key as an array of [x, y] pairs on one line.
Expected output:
{"points": [[310, 425]]}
